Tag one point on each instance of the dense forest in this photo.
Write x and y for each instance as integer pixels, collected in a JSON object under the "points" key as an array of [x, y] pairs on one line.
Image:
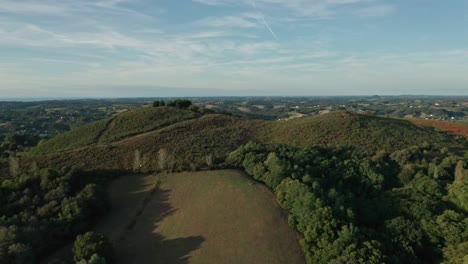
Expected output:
{"points": [[47, 205], [409, 206]]}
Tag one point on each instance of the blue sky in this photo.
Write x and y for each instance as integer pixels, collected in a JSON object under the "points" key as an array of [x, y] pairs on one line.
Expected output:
{"points": [[112, 48]]}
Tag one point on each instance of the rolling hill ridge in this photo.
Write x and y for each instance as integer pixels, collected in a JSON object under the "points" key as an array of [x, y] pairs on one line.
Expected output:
{"points": [[152, 138]]}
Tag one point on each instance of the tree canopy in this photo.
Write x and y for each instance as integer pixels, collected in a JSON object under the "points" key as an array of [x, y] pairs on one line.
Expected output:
{"points": [[390, 207]]}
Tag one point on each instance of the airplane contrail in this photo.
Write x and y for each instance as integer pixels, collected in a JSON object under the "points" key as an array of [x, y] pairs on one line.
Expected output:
{"points": [[263, 21], [269, 28]]}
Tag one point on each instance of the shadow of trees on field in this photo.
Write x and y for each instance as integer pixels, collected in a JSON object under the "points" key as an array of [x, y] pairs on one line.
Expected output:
{"points": [[175, 250], [139, 243]]}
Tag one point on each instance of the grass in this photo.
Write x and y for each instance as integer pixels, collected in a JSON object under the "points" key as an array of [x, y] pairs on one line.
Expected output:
{"points": [[365, 133], [189, 139], [143, 120], [204, 217], [76, 138], [109, 130], [188, 143]]}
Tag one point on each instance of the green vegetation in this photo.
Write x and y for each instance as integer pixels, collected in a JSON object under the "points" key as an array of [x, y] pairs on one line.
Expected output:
{"points": [[151, 139], [143, 120], [16, 142], [359, 188], [391, 207], [113, 129], [80, 137], [365, 133], [36, 121], [159, 103], [180, 103], [187, 145], [46, 119], [92, 248], [46, 205]]}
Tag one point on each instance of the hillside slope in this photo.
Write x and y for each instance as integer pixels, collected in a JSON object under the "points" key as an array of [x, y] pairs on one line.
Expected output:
{"points": [[76, 138], [187, 144], [150, 139], [126, 124], [143, 120], [365, 133]]}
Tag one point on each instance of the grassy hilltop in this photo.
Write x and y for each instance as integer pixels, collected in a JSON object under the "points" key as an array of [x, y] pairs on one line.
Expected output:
{"points": [[366, 133], [135, 140], [153, 138]]}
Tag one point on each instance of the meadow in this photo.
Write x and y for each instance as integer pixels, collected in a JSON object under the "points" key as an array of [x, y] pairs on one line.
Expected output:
{"points": [[204, 217]]}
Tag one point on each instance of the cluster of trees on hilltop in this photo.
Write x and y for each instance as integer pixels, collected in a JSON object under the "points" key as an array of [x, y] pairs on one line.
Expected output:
{"points": [[403, 207], [182, 104], [179, 103], [43, 209]]}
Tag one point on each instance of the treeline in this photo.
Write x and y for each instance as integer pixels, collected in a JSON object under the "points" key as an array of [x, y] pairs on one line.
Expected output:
{"points": [[182, 104], [409, 206], [179, 103], [42, 210]]}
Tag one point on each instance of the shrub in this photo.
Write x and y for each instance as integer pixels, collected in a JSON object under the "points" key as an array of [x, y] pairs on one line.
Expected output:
{"points": [[90, 244]]}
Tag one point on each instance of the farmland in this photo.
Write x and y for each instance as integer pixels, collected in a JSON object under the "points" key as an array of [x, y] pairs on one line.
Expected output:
{"points": [[204, 217]]}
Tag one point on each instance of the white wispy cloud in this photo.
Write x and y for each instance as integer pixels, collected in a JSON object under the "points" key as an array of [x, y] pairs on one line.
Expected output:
{"points": [[215, 2], [111, 3], [68, 8], [375, 11], [316, 8], [30, 7], [386, 73], [187, 48], [241, 21]]}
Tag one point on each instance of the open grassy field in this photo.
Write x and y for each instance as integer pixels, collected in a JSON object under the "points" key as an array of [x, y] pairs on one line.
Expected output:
{"points": [[204, 217]]}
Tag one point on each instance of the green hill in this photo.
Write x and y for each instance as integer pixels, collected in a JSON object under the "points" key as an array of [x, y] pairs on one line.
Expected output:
{"points": [[112, 129], [365, 133], [149, 139], [76, 138], [143, 120], [184, 141]]}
